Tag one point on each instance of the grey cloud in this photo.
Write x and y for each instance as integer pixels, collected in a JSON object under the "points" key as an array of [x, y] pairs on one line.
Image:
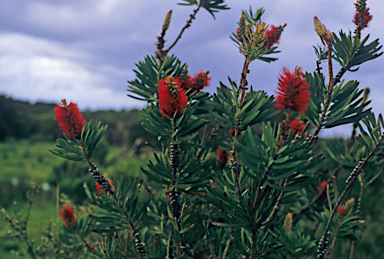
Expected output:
{"points": [[104, 39]]}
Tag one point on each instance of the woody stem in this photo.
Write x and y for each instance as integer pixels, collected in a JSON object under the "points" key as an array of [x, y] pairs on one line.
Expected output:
{"points": [[193, 15], [355, 173], [244, 83], [332, 82]]}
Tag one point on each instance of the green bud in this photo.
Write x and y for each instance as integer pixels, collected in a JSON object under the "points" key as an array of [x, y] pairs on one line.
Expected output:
{"points": [[167, 21]]}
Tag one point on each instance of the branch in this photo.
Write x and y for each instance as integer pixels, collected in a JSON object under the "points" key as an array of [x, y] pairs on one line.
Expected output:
{"points": [[234, 165], [351, 179], [333, 242], [89, 247], [275, 208], [231, 230], [332, 82], [358, 211], [169, 246], [308, 206], [192, 17]]}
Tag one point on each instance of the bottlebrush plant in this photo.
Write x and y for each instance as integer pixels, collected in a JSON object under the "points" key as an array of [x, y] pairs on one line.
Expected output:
{"points": [[268, 195]]}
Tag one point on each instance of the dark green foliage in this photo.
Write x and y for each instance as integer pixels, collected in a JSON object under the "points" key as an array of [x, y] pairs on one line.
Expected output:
{"points": [[20, 119], [91, 135], [295, 242], [318, 94], [321, 53], [69, 236], [253, 18], [212, 6], [225, 107], [192, 177], [70, 148], [148, 75], [347, 225], [77, 150], [349, 52], [345, 105], [290, 162], [371, 133], [163, 127]]}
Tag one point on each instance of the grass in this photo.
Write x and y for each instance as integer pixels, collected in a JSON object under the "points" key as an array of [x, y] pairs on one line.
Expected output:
{"points": [[20, 158], [41, 214], [23, 162]]}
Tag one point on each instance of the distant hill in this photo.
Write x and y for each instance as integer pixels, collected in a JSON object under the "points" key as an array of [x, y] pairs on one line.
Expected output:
{"points": [[23, 120]]}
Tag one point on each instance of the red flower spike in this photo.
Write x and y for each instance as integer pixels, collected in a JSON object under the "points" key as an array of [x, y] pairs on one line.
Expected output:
{"points": [[273, 35], [68, 215], [297, 125], [70, 118], [222, 157], [197, 83], [99, 188], [323, 185], [172, 97], [362, 19], [320, 188], [293, 91], [342, 211]]}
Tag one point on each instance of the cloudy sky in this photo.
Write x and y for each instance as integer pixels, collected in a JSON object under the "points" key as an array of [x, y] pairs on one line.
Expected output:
{"points": [[85, 51]]}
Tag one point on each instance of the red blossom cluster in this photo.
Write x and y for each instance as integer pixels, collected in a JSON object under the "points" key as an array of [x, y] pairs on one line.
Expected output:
{"points": [[297, 125], [362, 19], [342, 211], [293, 91], [67, 213], [70, 118], [172, 97], [98, 186], [222, 157], [320, 189], [273, 35], [195, 84]]}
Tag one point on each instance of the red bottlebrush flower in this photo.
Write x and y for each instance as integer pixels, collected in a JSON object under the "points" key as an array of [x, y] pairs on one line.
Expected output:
{"points": [[197, 83], [99, 188], [293, 91], [320, 189], [297, 125], [273, 35], [68, 215], [172, 97], [362, 19], [70, 118], [222, 157], [342, 211]]}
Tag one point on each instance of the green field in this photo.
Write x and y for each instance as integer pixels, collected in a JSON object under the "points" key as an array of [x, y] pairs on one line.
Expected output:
{"points": [[25, 162]]}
